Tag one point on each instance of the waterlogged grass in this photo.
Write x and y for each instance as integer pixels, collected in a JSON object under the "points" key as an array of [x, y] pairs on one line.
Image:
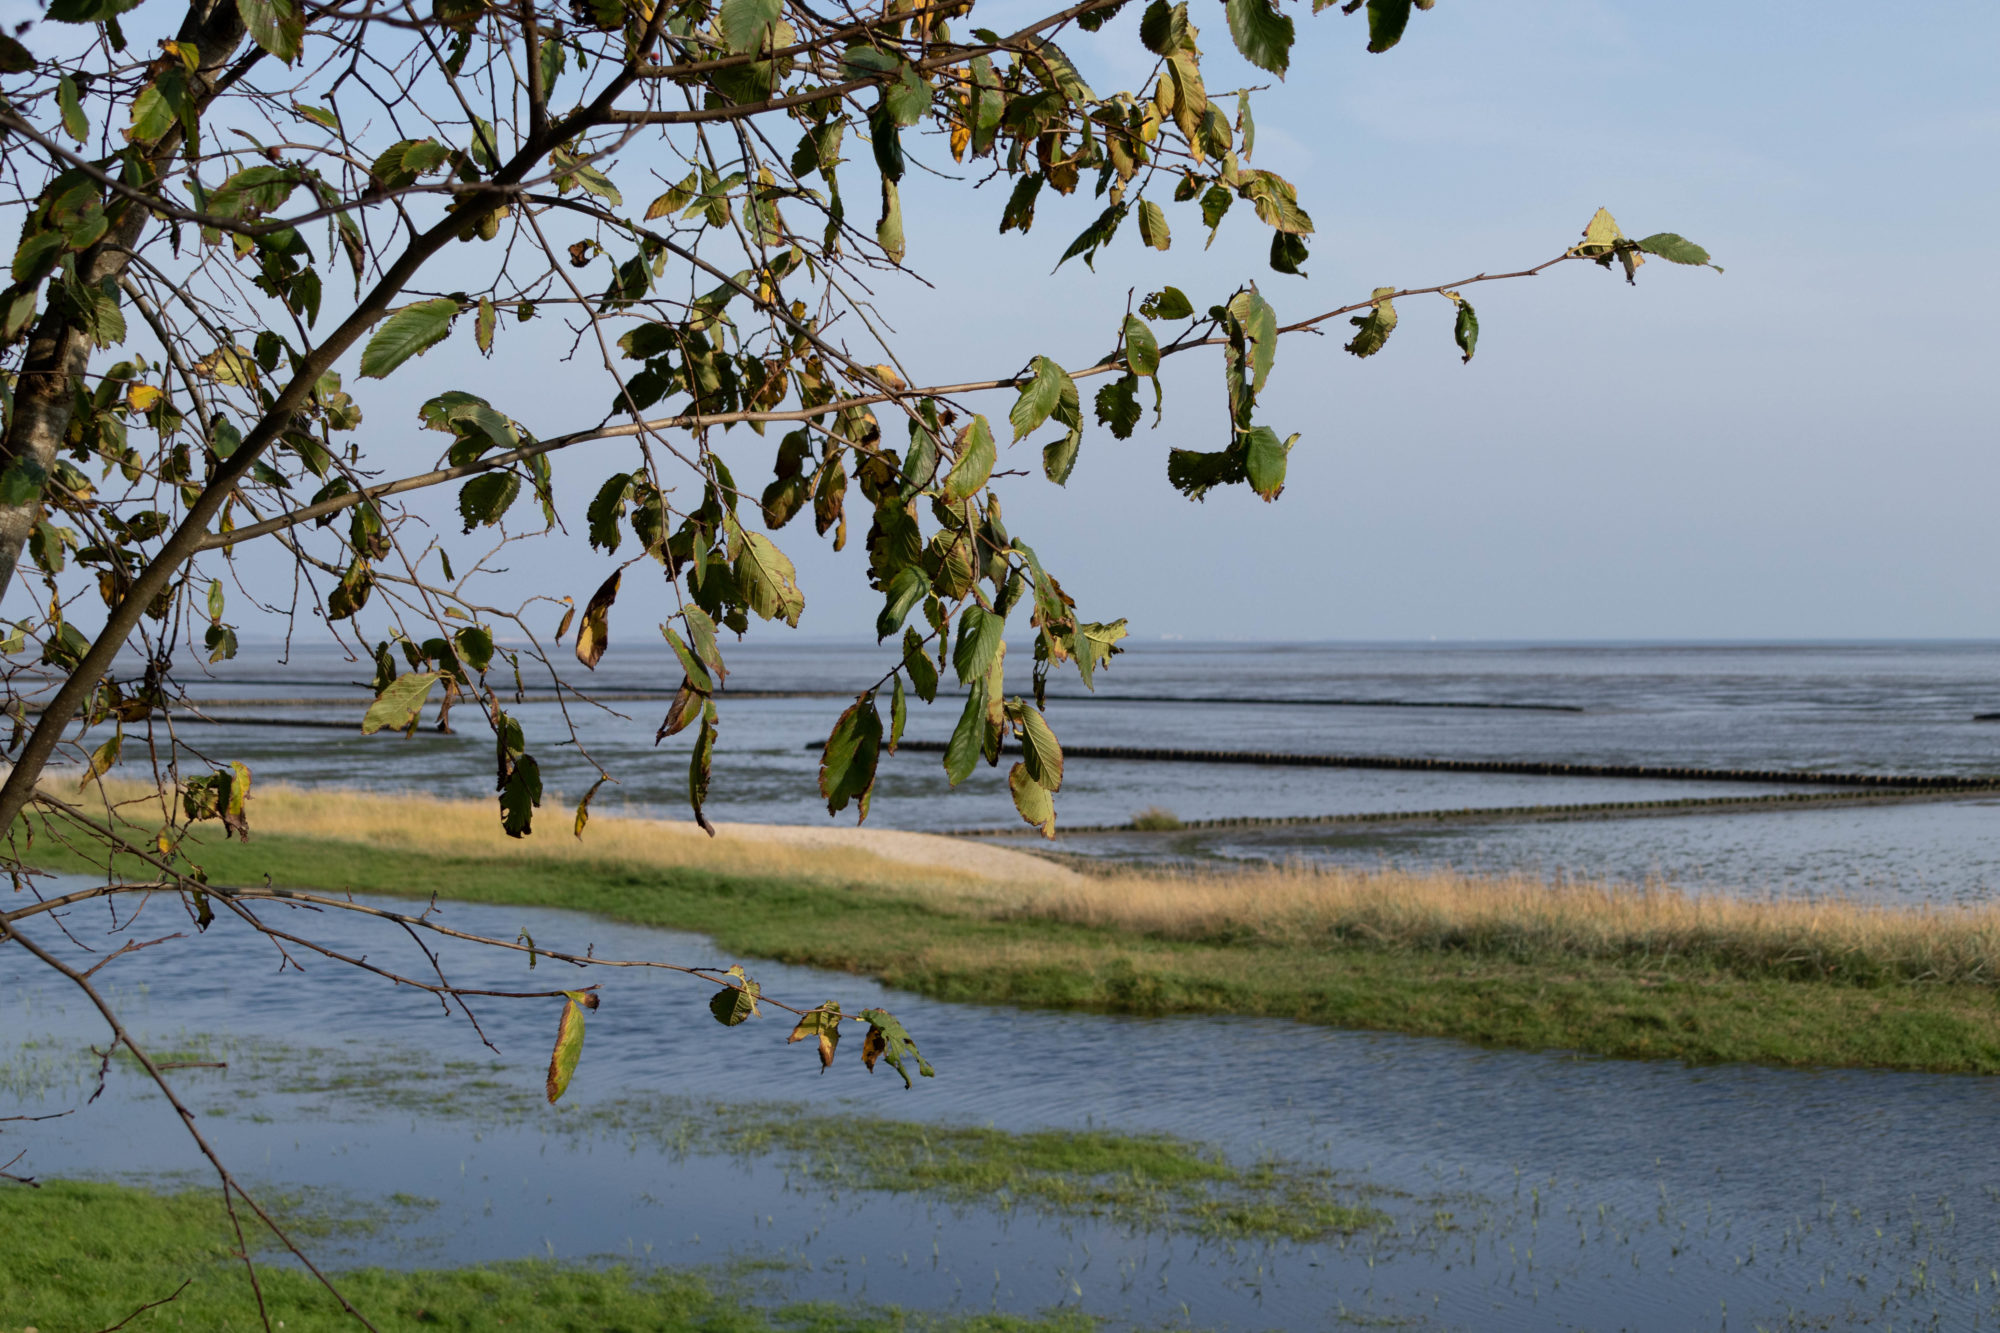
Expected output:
{"points": [[84, 1256], [1626, 973], [1140, 1182]]}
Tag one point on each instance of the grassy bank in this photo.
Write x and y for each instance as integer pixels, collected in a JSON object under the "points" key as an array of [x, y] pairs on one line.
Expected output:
{"points": [[85, 1256], [1597, 969]]}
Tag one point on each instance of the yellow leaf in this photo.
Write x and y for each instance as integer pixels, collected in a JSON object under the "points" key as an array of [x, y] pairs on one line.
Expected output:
{"points": [[595, 632], [142, 398]]}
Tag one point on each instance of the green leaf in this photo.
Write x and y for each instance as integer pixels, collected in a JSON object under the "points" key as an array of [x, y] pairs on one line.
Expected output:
{"points": [[1373, 329], [847, 763], [568, 1048], [899, 714], [1169, 303], [976, 452], [1246, 124], [734, 1004], [909, 97], [887, 1039], [1040, 750], [22, 482], [698, 767], [1264, 460], [485, 499], [1032, 799], [74, 122], [475, 647], [1142, 350], [905, 590], [483, 325], [407, 332], [1676, 249], [768, 580], [1153, 229], [1019, 212], [1117, 406], [1098, 233], [1386, 21], [701, 634], [1041, 396], [88, 11], [1164, 29], [399, 705], [889, 228], [1465, 329], [923, 672], [691, 666], [275, 25], [961, 753], [1096, 645], [887, 142], [1262, 34], [520, 796], [1194, 473], [1059, 456], [980, 633], [14, 57], [1287, 253]]}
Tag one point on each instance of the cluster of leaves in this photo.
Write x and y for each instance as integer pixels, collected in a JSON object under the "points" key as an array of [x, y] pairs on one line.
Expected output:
{"points": [[736, 1000], [198, 187]]}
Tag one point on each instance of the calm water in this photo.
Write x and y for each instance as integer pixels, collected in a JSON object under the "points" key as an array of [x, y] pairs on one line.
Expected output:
{"points": [[1526, 1191], [1891, 708]]}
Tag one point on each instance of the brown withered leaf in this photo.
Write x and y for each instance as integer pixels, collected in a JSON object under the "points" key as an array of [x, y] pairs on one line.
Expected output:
{"points": [[823, 1023]]}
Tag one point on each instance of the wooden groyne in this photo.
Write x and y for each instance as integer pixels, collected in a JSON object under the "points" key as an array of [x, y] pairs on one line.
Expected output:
{"points": [[1523, 767]]}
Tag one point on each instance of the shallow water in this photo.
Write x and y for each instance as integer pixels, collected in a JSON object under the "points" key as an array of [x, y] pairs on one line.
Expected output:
{"points": [[1886, 708], [1579, 1193]]}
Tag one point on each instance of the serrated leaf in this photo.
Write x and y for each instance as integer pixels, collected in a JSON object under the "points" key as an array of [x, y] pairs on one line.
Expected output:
{"points": [[768, 580], [848, 760], [1033, 800], [1465, 329], [400, 703], [1153, 229], [889, 227], [1040, 751], [1117, 406], [976, 453], [899, 713], [275, 25], [962, 751], [923, 672], [980, 634], [1040, 397], [485, 499], [568, 1049], [1261, 33], [1676, 249], [1600, 234], [483, 326], [594, 634], [407, 332]]}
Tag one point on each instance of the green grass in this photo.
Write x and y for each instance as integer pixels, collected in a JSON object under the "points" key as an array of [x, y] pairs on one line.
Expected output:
{"points": [[82, 1256], [1657, 1009]]}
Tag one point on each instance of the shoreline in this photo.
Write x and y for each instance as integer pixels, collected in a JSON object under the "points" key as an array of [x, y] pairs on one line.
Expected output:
{"points": [[1598, 970]]}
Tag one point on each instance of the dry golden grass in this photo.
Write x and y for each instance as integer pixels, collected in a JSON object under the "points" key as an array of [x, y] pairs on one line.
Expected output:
{"points": [[443, 827], [1518, 918]]}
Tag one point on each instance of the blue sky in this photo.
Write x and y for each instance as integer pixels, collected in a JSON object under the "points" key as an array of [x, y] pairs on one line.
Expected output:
{"points": [[1801, 447]]}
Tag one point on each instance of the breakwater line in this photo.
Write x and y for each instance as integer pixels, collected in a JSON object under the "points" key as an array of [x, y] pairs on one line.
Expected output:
{"points": [[1511, 814], [1527, 767]]}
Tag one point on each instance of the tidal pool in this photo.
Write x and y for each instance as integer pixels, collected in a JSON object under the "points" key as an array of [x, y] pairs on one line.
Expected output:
{"points": [[1520, 1191]]}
